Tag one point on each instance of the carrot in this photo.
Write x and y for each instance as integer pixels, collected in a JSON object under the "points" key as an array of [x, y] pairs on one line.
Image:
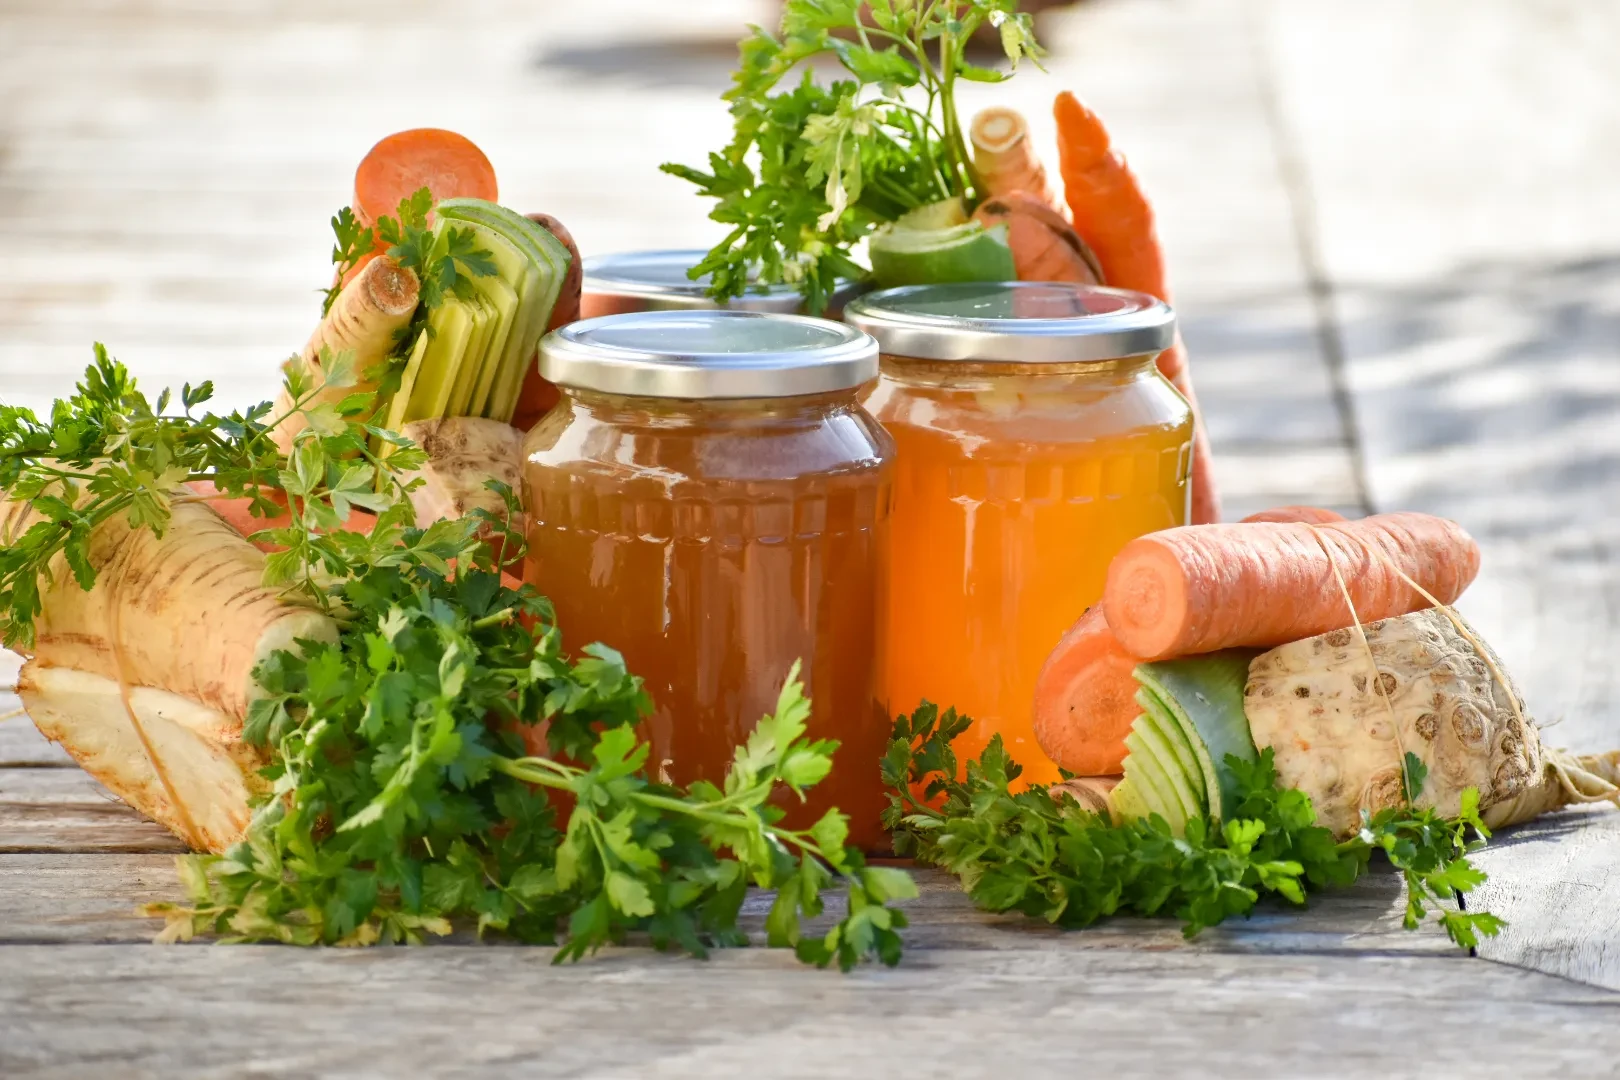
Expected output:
{"points": [[374, 306], [538, 396], [1316, 515], [1006, 161], [1045, 246], [238, 513], [1113, 216], [1085, 697], [1206, 587], [445, 163]]}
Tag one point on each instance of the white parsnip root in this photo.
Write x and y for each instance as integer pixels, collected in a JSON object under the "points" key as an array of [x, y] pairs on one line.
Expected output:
{"points": [[199, 774], [364, 321], [145, 679]]}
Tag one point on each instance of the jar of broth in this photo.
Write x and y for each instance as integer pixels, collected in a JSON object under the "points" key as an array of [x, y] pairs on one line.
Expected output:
{"points": [[1034, 437], [710, 499]]}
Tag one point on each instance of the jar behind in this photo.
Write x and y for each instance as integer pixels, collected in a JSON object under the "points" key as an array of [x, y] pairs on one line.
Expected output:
{"points": [[714, 542], [1015, 486]]}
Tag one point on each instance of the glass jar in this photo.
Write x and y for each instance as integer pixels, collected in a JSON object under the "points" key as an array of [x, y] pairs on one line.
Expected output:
{"points": [[1034, 437], [657, 281], [710, 499]]}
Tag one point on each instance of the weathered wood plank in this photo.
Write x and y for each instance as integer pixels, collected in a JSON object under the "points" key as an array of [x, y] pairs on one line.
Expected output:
{"points": [[1557, 883], [57, 898], [64, 810], [479, 1011]]}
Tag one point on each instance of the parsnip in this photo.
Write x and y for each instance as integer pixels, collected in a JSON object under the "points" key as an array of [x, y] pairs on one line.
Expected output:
{"points": [[186, 612], [207, 774], [364, 321]]}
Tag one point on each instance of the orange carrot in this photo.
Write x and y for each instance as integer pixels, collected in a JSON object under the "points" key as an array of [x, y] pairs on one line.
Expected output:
{"points": [[1206, 587], [1045, 246], [538, 396], [238, 514], [1112, 214], [1085, 698], [445, 163], [1004, 157], [1316, 515]]}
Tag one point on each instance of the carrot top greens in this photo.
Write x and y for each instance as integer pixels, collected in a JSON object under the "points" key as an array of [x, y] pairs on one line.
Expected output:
{"points": [[811, 170]]}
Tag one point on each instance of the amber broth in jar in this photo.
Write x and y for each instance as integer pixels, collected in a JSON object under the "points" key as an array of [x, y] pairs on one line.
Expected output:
{"points": [[715, 543], [1016, 483]]}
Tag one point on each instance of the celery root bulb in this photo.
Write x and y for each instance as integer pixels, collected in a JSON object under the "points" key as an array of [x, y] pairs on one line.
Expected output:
{"points": [[1340, 722]]}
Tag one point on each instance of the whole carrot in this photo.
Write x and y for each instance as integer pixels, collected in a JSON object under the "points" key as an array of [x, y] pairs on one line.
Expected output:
{"points": [[1085, 698], [1314, 514], [1113, 216], [1206, 587]]}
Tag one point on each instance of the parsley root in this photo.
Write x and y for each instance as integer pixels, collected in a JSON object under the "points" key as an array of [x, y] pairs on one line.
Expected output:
{"points": [[363, 322], [1007, 161]]}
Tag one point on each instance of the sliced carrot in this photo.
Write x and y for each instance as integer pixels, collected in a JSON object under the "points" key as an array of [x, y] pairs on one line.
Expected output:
{"points": [[445, 163], [1206, 587], [1314, 514], [1085, 698], [1045, 246], [1112, 214]]}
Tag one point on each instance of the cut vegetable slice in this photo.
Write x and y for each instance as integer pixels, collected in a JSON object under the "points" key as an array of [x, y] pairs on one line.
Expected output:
{"points": [[969, 252], [1204, 694], [1152, 774], [1180, 774], [1176, 740], [407, 386], [484, 319], [452, 323]]}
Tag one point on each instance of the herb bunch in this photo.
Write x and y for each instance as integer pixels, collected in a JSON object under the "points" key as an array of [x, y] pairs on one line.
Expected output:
{"points": [[405, 795], [444, 266], [1047, 857], [812, 170]]}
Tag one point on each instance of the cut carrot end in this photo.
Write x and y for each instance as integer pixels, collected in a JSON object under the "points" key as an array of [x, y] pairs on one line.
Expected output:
{"points": [[447, 164], [1146, 599]]}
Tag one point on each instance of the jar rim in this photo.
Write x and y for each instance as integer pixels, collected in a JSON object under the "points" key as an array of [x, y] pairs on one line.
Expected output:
{"points": [[658, 278], [708, 354], [1022, 322]]}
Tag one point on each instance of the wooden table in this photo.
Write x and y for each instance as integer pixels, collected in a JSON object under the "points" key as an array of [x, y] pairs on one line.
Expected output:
{"points": [[1397, 239]]}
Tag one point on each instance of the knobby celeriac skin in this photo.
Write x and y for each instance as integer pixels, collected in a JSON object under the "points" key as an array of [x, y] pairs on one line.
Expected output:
{"points": [[1341, 715]]}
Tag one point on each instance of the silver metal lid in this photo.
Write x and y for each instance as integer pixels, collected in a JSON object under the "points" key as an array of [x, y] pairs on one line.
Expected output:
{"points": [[1019, 322], [708, 354], [658, 279]]}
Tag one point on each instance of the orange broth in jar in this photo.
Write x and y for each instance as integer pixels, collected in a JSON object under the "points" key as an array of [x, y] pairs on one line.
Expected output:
{"points": [[1034, 438], [710, 499]]}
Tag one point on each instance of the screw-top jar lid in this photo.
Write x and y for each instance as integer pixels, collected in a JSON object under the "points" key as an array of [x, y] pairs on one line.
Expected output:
{"points": [[1020, 322], [657, 279], [708, 354]]}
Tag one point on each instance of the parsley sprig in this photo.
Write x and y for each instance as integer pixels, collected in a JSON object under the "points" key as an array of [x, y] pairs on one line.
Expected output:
{"points": [[444, 261], [811, 170], [404, 798], [1048, 857]]}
